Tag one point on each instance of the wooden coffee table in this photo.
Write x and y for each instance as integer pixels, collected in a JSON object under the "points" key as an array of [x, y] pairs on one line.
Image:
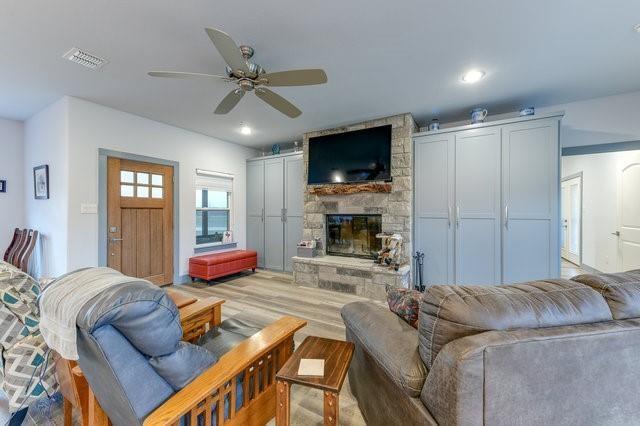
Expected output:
{"points": [[337, 356]]}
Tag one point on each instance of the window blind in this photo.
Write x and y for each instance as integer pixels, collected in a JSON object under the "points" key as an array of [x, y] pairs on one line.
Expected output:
{"points": [[214, 180]]}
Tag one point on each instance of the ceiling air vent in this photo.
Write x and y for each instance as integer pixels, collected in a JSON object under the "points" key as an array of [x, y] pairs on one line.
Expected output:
{"points": [[85, 59]]}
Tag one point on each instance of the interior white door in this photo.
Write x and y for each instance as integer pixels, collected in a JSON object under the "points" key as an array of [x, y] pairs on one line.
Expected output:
{"points": [[629, 217], [571, 219], [477, 207], [255, 209], [530, 173], [434, 198], [274, 213], [294, 207]]}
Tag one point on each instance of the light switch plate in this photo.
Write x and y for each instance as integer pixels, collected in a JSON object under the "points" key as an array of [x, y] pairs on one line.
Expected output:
{"points": [[88, 208]]}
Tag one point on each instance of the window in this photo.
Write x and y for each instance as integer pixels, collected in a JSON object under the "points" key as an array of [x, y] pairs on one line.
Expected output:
{"points": [[213, 207]]}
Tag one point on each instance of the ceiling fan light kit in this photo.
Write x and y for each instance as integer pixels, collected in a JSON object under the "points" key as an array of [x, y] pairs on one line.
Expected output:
{"points": [[250, 77]]}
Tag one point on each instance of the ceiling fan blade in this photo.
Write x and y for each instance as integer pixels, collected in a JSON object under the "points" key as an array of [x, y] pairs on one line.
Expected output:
{"points": [[295, 78], [278, 102], [228, 50], [229, 101], [173, 74]]}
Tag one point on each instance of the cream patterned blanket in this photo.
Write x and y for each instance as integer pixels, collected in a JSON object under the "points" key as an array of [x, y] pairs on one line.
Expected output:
{"points": [[62, 300]]}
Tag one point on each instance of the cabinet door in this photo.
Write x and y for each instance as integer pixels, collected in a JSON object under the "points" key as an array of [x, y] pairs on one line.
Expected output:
{"points": [[477, 207], [273, 212], [531, 162], [255, 209], [294, 206], [434, 184]]}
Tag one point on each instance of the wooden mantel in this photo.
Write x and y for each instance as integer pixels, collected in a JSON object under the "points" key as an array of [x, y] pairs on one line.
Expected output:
{"points": [[353, 188]]}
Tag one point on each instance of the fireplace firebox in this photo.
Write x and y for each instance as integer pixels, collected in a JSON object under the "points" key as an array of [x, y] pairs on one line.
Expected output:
{"points": [[353, 235]]}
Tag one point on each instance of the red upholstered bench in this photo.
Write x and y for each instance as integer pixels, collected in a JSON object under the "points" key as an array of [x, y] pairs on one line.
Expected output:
{"points": [[210, 266]]}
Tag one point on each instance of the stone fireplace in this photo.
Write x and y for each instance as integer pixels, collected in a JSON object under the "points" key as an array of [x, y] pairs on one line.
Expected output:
{"points": [[346, 267], [353, 235]]}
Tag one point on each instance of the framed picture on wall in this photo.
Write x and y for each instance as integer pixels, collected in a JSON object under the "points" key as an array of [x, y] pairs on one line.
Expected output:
{"points": [[41, 182]]}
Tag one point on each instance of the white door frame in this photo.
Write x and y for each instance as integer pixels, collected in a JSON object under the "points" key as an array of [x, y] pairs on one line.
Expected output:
{"points": [[567, 178]]}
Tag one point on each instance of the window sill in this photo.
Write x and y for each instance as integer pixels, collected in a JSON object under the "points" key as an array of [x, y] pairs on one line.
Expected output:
{"points": [[203, 248]]}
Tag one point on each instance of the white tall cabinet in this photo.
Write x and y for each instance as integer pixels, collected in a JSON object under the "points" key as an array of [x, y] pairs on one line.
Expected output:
{"points": [[274, 209], [486, 205]]}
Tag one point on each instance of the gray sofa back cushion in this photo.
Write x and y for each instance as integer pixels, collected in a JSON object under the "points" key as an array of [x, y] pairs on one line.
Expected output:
{"points": [[451, 312], [621, 291]]}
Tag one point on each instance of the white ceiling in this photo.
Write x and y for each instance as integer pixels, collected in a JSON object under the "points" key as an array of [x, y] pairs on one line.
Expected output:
{"points": [[381, 57]]}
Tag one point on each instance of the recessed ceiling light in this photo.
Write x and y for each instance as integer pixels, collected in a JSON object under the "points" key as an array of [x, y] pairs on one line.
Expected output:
{"points": [[473, 76], [245, 130], [636, 28]]}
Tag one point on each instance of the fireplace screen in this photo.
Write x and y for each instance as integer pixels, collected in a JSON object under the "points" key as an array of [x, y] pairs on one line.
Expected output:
{"points": [[353, 234]]}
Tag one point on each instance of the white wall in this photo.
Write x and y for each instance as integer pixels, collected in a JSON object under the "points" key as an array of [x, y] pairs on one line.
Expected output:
{"points": [[11, 170], [602, 120], [600, 204], [45, 142], [93, 126]]}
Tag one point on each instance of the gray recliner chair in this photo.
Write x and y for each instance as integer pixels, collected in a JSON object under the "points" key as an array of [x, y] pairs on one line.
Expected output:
{"points": [[130, 350]]}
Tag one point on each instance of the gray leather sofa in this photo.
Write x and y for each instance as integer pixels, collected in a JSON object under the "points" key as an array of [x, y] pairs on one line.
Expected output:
{"points": [[545, 352]]}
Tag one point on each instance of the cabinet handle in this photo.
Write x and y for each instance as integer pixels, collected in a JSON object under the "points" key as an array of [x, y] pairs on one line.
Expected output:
{"points": [[449, 215], [262, 215], [506, 216], [457, 216], [283, 215]]}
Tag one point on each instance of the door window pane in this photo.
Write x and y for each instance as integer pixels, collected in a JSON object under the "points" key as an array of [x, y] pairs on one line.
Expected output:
{"points": [[156, 192], [126, 177], [142, 178], [142, 191], [156, 180], [126, 190]]}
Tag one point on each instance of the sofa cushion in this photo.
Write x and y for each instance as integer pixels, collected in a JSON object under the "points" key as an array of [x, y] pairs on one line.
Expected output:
{"points": [[182, 366], [621, 291], [451, 312], [405, 303]]}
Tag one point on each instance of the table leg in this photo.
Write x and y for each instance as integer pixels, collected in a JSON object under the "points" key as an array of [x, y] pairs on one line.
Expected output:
{"points": [[283, 395], [331, 408]]}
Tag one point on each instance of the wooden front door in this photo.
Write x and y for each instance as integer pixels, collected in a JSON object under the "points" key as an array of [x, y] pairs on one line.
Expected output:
{"points": [[140, 219]]}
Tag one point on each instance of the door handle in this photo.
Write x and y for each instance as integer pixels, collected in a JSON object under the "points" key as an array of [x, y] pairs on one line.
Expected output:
{"points": [[457, 216], [506, 216], [449, 215], [115, 240], [262, 215], [617, 233]]}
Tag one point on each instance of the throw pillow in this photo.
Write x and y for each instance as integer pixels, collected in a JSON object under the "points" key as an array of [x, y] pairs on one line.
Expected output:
{"points": [[405, 303]]}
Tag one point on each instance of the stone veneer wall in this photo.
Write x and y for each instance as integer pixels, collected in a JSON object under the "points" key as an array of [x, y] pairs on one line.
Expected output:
{"points": [[395, 207]]}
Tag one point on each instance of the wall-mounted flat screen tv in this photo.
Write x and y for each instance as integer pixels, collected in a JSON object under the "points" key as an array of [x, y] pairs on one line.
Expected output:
{"points": [[357, 156]]}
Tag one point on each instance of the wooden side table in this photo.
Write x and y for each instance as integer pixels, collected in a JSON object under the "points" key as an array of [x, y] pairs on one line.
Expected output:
{"points": [[337, 356]]}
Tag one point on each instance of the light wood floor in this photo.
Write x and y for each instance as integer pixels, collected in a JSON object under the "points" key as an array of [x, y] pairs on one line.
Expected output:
{"points": [[264, 297]]}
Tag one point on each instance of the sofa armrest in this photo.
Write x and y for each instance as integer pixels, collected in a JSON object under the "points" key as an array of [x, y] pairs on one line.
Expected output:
{"points": [[389, 340]]}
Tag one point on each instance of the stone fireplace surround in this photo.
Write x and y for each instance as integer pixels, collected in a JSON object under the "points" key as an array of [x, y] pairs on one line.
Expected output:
{"points": [[353, 275]]}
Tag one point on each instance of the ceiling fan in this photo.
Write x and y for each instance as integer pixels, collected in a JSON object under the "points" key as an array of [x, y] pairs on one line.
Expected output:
{"points": [[249, 76]]}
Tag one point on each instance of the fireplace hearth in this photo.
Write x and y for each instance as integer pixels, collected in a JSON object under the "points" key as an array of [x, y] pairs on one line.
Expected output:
{"points": [[353, 235]]}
